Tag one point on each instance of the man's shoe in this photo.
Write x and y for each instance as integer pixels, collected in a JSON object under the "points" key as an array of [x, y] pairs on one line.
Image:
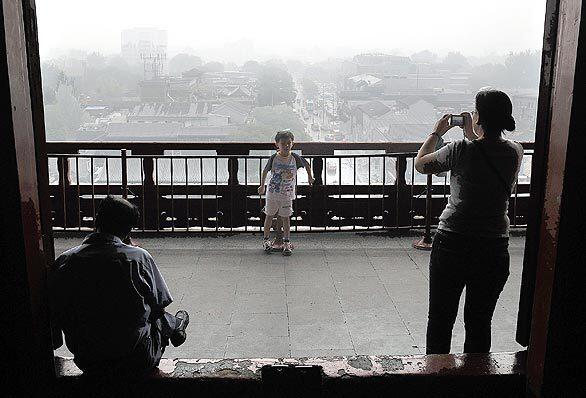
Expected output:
{"points": [[179, 336]]}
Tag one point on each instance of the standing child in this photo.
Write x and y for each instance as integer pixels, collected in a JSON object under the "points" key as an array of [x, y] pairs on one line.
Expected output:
{"points": [[279, 201]]}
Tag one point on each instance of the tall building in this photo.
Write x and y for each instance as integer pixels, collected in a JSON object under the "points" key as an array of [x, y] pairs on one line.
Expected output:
{"points": [[146, 46]]}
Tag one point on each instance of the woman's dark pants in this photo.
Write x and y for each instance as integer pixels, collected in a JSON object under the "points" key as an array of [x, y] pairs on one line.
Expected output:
{"points": [[481, 265]]}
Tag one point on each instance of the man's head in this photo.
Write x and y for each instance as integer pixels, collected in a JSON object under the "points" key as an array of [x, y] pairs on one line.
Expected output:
{"points": [[284, 141], [116, 216]]}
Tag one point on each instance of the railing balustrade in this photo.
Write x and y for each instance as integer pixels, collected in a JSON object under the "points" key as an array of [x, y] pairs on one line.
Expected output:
{"points": [[186, 187]]}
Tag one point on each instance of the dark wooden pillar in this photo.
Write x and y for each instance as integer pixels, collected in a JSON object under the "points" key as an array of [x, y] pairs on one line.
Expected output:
{"points": [[555, 364], [25, 337], [537, 174], [36, 89]]}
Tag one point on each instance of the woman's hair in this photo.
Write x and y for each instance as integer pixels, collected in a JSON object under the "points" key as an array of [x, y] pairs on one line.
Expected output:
{"points": [[495, 110], [116, 216]]}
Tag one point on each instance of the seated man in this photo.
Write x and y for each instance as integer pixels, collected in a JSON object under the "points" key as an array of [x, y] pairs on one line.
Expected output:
{"points": [[109, 299]]}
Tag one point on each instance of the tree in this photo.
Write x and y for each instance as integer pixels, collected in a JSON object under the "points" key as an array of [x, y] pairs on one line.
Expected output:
{"points": [[182, 63], [274, 87], [52, 77], [309, 87], [494, 75], [231, 66], [317, 73], [268, 120], [96, 60], [424, 57], [251, 66], [63, 119], [455, 61], [523, 69], [113, 81], [213, 67], [294, 66]]}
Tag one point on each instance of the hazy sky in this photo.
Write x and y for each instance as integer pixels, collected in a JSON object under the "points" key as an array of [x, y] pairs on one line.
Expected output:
{"points": [[303, 28]]}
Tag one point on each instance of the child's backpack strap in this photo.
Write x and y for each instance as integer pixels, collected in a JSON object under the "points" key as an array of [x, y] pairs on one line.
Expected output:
{"points": [[300, 162], [269, 166]]}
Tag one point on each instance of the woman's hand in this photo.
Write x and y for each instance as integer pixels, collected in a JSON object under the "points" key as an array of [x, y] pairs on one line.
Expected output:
{"points": [[442, 126], [261, 190], [468, 129]]}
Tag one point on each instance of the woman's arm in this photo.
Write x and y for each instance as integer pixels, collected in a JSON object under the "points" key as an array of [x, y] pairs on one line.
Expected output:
{"points": [[426, 160], [468, 130]]}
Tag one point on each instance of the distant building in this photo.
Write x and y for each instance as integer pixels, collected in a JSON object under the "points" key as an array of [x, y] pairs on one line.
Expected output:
{"points": [[455, 101], [165, 132], [393, 120], [237, 112], [155, 90], [185, 114], [525, 114], [146, 46], [413, 83], [525, 105], [375, 63]]}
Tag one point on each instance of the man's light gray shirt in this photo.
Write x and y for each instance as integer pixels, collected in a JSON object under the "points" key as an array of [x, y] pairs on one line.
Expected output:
{"points": [[105, 295]]}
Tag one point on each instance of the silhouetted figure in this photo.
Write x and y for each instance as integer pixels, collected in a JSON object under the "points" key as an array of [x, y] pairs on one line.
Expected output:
{"points": [[109, 299], [470, 248]]}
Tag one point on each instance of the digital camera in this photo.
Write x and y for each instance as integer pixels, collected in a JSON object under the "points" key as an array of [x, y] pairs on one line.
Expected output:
{"points": [[456, 120]]}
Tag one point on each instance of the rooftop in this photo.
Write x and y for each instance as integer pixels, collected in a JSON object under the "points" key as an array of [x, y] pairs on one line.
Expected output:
{"points": [[338, 294]]}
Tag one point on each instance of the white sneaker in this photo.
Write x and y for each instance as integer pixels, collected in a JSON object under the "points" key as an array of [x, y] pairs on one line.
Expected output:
{"points": [[287, 248], [266, 245]]}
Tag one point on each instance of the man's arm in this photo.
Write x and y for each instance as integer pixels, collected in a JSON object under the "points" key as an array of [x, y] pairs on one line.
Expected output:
{"points": [[150, 283]]}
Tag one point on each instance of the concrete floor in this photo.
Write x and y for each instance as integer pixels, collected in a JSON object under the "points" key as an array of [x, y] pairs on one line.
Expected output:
{"points": [[338, 294]]}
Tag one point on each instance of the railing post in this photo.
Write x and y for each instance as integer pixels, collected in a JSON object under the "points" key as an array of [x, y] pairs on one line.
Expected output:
{"points": [[318, 208], [61, 199], [233, 171], [232, 204], [68, 207], [124, 174], [403, 215], [150, 214], [425, 242], [317, 168]]}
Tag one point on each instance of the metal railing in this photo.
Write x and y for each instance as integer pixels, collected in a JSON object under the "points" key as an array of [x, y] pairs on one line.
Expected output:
{"points": [[185, 187]]}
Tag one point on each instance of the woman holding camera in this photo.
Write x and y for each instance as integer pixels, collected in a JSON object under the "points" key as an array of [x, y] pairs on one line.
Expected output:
{"points": [[470, 248]]}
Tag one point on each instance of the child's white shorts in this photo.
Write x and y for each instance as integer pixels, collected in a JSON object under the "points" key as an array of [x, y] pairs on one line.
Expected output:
{"points": [[281, 207]]}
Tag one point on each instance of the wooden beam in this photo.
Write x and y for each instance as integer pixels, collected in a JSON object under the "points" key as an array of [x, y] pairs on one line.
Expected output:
{"points": [[25, 330], [555, 363]]}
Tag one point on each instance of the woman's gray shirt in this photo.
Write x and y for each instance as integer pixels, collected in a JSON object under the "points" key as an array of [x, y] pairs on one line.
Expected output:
{"points": [[478, 201]]}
